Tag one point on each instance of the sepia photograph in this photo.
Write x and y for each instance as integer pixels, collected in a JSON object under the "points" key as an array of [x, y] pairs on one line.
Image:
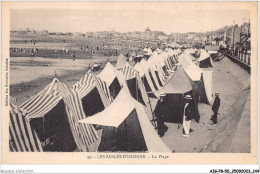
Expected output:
{"points": [[121, 81]]}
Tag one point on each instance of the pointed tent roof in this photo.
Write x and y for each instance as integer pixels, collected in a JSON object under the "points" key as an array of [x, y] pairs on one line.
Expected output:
{"points": [[108, 73], [203, 55], [194, 72], [180, 83], [121, 60], [88, 82]]}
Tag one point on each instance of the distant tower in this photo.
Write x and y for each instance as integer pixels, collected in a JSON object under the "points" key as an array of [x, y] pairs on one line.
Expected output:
{"points": [[147, 29]]}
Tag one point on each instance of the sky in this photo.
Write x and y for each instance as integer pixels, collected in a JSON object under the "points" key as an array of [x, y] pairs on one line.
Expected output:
{"points": [[126, 20]]}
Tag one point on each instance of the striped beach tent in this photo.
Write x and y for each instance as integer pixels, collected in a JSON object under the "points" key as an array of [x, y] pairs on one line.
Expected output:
{"points": [[150, 72], [53, 113], [22, 138], [135, 84], [156, 64], [94, 93], [147, 81]]}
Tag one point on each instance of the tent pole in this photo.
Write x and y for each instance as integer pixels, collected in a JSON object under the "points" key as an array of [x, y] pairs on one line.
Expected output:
{"points": [[125, 136], [136, 88], [43, 130]]}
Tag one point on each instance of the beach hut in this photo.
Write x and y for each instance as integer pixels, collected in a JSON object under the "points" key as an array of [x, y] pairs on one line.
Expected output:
{"points": [[53, 114], [127, 131]]}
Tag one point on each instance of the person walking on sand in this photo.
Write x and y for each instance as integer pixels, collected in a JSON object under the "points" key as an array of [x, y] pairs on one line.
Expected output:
{"points": [[215, 108], [187, 116]]}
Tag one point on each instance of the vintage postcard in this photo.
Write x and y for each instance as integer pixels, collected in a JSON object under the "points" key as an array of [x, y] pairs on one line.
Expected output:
{"points": [[129, 83]]}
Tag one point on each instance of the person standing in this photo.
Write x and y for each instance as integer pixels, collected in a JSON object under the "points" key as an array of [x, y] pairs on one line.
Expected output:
{"points": [[160, 114], [215, 108], [187, 116]]}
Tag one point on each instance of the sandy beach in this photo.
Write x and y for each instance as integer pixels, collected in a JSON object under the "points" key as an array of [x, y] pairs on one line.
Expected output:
{"points": [[228, 78]]}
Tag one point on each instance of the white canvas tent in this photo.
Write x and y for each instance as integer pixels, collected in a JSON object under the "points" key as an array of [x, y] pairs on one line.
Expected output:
{"points": [[204, 59], [204, 83], [134, 132], [121, 61], [112, 78]]}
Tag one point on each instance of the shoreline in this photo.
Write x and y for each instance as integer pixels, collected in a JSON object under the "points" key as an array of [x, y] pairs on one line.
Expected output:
{"points": [[23, 91]]}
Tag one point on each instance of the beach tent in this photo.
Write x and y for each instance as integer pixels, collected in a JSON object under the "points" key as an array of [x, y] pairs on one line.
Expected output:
{"points": [[150, 72], [121, 61], [129, 130], [135, 84], [204, 59], [22, 138], [53, 114], [156, 64], [178, 86], [147, 80], [207, 79], [94, 93], [197, 76], [110, 76]]}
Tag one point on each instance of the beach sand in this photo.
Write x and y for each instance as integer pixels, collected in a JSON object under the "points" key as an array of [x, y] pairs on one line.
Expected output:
{"points": [[228, 78]]}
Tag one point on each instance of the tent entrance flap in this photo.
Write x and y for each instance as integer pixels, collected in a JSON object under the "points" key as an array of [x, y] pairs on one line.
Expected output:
{"points": [[54, 130], [134, 90], [114, 88], [92, 103], [206, 63]]}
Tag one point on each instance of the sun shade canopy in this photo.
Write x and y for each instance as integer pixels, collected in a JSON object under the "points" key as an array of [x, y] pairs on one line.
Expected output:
{"points": [[114, 114]]}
